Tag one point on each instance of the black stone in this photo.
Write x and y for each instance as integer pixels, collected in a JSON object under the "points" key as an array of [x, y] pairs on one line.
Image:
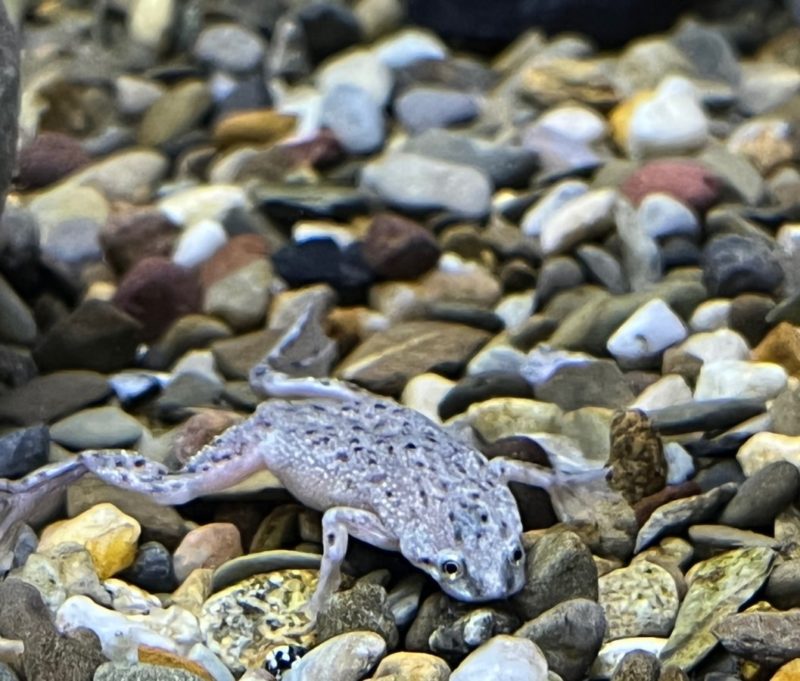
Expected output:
{"points": [[250, 93], [748, 316], [678, 251], [96, 335], [320, 261], [480, 387], [152, 569], [727, 470], [734, 264], [535, 330], [286, 204], [762, 496], [705, 415], [23, 451], [329, 28], [19, 249]]}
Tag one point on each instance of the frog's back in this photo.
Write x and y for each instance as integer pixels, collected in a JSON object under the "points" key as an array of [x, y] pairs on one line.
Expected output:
{"points": [[373, 454]]}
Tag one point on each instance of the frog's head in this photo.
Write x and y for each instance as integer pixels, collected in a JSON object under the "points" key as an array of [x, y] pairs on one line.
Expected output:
{"points": [[469, 542]]}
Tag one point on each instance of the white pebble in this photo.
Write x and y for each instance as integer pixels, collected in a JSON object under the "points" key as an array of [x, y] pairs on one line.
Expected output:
{"points": [[199, 242], [511, 658], [737, 379], [711, 315], [646, 334]]}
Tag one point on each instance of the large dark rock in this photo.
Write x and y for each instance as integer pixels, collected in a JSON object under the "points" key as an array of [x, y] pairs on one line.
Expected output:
{"points": [[490, 24], [9, 100]]}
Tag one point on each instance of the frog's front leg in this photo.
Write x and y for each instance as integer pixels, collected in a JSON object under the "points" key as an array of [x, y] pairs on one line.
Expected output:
{"points": [[338, 523], [267, 382]]}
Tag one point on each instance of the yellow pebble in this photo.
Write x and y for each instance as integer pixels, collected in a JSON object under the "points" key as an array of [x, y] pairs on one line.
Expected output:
{"points": [[108, 534]]}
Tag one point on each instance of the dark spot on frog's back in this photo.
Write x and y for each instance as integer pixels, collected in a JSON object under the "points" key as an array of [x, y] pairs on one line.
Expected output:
{"points": [[344, 457]]}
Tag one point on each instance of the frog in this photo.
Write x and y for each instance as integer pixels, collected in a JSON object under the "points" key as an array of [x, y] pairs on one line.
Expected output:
{"points": [[377, 470]]}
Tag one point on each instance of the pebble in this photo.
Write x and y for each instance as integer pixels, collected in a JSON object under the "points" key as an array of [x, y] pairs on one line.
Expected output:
{"points": [[639, 600], [208, 546], [582, 218], [50, 157], [198, 243], [229, 47], [354, 117], [736, 264], [23, 450], [413, 667], [735, 378], [99, 428], [687, 181], [516, 659], [421, 108], [109, 535], [646, 334], [569, 634], [414, 182], [766, 448], [346, 657]]}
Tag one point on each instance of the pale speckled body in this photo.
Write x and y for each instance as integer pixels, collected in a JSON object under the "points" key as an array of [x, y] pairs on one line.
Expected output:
{"points": [[435, 495]]}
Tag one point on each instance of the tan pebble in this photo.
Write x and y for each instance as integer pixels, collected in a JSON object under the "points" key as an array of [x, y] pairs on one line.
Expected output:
{"points": [[208, 546], [108, 534], [262, 127], [781, 346], [163, 658]]}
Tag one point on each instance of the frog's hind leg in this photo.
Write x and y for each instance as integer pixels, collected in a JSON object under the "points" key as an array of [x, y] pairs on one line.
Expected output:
{"points": [[227, 459], [569, 492], [23, 500], [267, 382], [338, 523]]}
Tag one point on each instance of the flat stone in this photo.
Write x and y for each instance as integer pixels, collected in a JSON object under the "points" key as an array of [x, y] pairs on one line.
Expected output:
{"points": [[241, 298], [421, 108], [414, 182], [134, 234], [230, 47], [549, 204], [387, 359], [480, 387], [599, 383], [719, 586], [676, 515], [766, 448], [23, 450], [46, 398], [96, 335], [506, 165], [99, 428], [130, 175], [763, 496]]}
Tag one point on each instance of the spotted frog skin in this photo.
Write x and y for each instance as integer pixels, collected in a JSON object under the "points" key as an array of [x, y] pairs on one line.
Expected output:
{"points": [[378, 471]]}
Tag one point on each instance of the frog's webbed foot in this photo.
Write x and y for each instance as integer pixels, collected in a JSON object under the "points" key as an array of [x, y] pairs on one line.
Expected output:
{"points": [[136, 473], [338, 523], [26, 499]]}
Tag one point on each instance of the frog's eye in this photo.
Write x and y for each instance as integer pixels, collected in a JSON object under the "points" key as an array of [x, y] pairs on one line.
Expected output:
{"points": [[517, 555], [451, 569]]}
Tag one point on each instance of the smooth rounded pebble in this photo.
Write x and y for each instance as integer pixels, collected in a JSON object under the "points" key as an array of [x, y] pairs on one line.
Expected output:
{"points": [[507, 657]]}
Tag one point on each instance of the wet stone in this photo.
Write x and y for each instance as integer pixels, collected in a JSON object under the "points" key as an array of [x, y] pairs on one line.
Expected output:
{"points": [[769, 638], [50, 397], [736, 264], [569, 634], [471, 630], [481, 387], [151, 569], [48, 158], [597, 384], [398, 248], [100, 428], [762, 496], [637, 666], [96, 335], [559, 567], [23, 450]]}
